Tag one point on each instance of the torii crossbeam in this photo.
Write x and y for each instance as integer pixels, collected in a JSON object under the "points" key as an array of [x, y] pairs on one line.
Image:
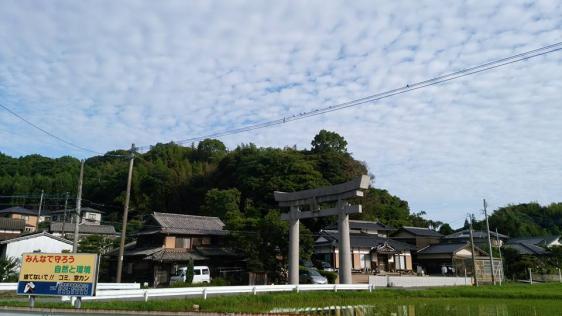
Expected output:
{"points": [[338, 193]]}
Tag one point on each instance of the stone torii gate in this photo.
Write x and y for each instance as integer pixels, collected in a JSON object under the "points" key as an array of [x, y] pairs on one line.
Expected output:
{"points": [[338, 193]]}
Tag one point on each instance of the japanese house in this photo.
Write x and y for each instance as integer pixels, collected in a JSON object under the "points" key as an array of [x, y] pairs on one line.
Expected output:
{"points": [[169, 241], [455, 257], [540, 241], [88, 215], [66, 230], [480, 238], [371, 250], [38, 242], [418, 236], [11, 228], [31, 217]]}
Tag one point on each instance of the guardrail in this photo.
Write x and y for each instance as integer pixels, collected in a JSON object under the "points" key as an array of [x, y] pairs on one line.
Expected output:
{"points": [[418, 281], [217, 290], [100, 286]]}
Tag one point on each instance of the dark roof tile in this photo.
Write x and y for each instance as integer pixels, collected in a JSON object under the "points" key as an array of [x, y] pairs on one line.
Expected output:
{"points": [[12, 223], [57, 227]]}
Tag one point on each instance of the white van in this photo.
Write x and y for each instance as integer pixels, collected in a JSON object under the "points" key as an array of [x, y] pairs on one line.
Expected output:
{"points": [[201, 274]]}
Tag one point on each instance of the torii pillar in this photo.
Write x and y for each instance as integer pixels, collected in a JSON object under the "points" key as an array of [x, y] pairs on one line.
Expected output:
{"points": [[338, 193]]}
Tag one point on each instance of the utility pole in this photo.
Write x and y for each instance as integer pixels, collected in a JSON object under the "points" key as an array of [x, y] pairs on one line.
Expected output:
{"points": [[489, 242], [473, 253], [78, 208], [65, 206], [125, 214], [500, 272], [39, 209]]}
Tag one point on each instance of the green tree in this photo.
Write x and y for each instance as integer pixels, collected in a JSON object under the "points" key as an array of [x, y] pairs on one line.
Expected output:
{"points": [[189, 272], [8, 269], [96, 244], [326, 141], [220, 202], [211, 150], [445, 229]]}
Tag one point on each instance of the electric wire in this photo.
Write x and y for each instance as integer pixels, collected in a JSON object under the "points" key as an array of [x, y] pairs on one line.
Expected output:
{"points": [[386, 94]]}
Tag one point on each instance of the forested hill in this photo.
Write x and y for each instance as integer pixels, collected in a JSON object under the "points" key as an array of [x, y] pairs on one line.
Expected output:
{"points": [[205, 179], [208, 179], [527, 219]]}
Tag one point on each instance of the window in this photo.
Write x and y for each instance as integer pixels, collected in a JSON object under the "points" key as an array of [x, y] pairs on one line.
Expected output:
{"points": [[205, 271], [196, 271], [182, 242], [201, 241]]}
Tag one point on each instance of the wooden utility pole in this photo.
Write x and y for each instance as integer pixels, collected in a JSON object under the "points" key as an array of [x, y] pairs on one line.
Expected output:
{"points": [[65, 206], [489, 243], [473, 253], [78, 208], [125, 214], [39, 209], [500, 271]]}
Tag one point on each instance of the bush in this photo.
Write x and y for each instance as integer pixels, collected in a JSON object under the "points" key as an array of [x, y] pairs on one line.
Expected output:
{"points": [[219, 282], [331, 276], [8, 268]]}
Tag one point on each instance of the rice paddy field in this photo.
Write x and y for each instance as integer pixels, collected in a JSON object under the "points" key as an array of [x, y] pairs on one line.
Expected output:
{"points": [[511, 299]]}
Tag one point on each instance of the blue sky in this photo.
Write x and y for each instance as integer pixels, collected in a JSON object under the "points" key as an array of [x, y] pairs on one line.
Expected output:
{"points": [[105, 74]]}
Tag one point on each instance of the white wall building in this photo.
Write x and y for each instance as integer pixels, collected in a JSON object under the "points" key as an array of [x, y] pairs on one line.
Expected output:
{"points": [[40, 242]]}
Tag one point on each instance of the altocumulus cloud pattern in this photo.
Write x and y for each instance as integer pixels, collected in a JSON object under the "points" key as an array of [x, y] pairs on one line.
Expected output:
{"points": [[106, 74]]}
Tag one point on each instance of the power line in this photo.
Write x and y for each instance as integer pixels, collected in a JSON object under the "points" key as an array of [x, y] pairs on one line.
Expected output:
{"points": [[47, 132], [372, 98], [55, 136], [386, 94]]}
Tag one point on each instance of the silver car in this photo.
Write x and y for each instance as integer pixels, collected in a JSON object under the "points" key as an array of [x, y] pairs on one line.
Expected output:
{"points": [[311, 276]]}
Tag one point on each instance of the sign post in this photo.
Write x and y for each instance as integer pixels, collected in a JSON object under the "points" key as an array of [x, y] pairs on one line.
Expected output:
{"points": [[58, 274]]}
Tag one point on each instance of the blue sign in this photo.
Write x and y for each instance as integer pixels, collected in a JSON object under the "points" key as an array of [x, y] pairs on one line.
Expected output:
{"points": [[55, 288]]}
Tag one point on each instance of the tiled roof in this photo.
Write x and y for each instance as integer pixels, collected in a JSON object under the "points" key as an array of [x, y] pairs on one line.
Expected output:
{"points": [[83, 228], [442, 248], [72, 211], [477, 234], [34, 235], [421, 231], [526, 249], [171, 223], [175, 255], [218, 252], [537, 241], [12, 223], [365, 241], [18, 210], [357, 224]]}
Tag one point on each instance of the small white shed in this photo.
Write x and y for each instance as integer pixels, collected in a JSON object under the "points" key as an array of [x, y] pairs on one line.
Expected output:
{"points": [[39, 242]]}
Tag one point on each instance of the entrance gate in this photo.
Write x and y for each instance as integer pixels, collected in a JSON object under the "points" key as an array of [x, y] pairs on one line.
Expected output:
{"points": [[336, 193]]}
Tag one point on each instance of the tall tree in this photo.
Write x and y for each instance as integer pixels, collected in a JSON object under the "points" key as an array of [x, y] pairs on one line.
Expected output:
{"points": [[326, 141]]}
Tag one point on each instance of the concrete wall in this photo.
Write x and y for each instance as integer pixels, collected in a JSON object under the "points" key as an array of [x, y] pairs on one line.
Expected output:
{"points": [[42, 243], [415, 281]]}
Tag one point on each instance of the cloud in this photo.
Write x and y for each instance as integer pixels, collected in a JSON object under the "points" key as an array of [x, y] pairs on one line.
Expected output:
{"points": [[106, 74]]}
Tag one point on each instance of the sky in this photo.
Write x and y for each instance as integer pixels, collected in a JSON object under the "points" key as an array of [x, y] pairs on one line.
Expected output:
{"points": [[106, 74]]}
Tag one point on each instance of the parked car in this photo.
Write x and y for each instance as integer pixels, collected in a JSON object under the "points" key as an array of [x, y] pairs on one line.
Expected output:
{"points": [[323, 265], [311, 276], [201, 274]]}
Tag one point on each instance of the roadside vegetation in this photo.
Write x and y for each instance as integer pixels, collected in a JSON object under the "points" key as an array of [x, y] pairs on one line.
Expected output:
{"points": [[529, 295]]}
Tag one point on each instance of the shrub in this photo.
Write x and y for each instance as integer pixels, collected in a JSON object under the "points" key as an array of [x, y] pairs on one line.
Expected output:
{"points": [[219, 282], [331, 276]]}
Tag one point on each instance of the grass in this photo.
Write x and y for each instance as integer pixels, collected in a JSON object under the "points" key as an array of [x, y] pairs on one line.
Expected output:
{"points": [[528, 295]]}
